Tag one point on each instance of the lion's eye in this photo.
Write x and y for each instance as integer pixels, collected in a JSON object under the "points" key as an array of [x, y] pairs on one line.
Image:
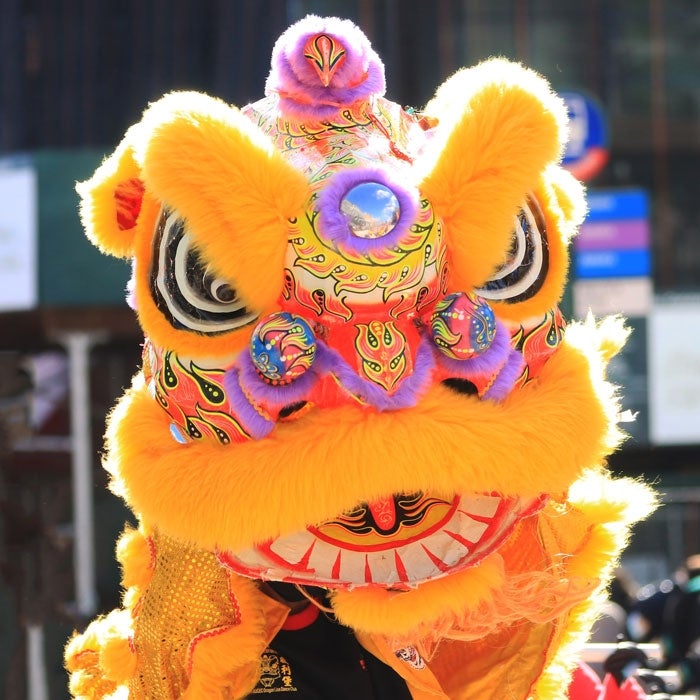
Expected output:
{"points": [[525, 269], [185, 289]]}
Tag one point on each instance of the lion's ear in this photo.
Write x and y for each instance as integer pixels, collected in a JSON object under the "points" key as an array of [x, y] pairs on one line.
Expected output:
{"points": [[570, 196], [211, 164], [110, 201], [499, 126]]}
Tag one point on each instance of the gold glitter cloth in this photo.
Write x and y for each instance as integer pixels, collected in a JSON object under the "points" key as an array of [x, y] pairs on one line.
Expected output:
{"points": [[188, 595]]}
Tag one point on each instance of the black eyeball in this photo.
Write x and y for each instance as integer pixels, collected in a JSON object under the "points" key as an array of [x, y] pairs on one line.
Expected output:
{"points": [[527, 264], [185, 288]]}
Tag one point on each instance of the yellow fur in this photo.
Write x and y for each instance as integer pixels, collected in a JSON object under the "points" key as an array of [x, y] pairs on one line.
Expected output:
{"points": [[98, 210], [500, 126], [394, 614], [99, 659], [136, 558], [609, 507], [116, 656]]}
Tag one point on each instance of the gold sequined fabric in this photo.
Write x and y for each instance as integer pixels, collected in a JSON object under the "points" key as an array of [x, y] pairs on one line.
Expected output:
{"points": [[188, 595]]}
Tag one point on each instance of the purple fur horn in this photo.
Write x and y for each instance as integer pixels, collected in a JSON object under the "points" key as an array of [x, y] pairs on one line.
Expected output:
{"points": [[320, 65]]}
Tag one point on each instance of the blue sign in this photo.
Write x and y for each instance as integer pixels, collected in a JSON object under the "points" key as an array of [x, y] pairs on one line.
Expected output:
{"points": [[614, 239], [612, 263], [587, 150], [616, 205]]}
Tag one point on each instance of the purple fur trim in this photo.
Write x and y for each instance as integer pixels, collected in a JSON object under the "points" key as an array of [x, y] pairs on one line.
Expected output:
{"points": [[411, 389], [274, 397], [294, 79], [486, 363], [334, 226], [252, 421], [503, 383]]}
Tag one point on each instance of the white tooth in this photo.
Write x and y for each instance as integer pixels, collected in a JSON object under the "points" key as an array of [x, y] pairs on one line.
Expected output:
{"points": [[419, 566], [250, 559], [468, 528], [293, 548], [483, 506], [450, 551], [323, 558], [383, 567]]}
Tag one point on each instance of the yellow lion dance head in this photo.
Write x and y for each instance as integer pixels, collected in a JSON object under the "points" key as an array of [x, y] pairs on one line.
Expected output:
{"points": [[355, 377]]}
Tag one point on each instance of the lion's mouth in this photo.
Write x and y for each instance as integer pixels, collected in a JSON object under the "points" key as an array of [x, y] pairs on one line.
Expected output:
{"points": [[397, 542]]}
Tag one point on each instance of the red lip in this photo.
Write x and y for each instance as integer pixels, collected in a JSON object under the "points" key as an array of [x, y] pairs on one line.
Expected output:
{"points": [[395, 543]]}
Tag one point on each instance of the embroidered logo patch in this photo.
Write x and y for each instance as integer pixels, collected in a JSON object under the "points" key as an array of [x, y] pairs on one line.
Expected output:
{"points": [[275, 675]]}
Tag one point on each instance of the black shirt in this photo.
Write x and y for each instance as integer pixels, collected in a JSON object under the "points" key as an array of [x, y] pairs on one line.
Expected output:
{"points": [[313, 657]]}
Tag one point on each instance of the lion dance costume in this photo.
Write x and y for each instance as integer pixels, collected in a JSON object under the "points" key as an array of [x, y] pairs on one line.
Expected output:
{"points": [[356, 385]]}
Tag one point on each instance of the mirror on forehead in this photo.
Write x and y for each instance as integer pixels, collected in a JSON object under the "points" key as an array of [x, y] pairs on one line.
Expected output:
{"points": [[371, 210]]}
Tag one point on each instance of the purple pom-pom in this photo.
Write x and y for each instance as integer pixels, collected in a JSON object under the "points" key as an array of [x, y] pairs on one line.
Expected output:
{"points": [[318, 50]]}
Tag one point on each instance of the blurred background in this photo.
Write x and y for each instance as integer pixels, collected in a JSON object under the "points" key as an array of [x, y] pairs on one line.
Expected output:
{"points": [[75, 74]]}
